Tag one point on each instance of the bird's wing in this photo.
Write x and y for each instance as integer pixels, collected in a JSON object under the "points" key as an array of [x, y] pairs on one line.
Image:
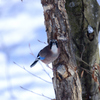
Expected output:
{"points": [[44, 51]]}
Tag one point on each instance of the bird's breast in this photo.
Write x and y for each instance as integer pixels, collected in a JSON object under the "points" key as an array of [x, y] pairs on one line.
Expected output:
{"points": [[54, 49]]}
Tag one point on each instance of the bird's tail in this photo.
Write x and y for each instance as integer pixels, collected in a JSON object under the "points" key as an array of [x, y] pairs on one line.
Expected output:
{"points": [[34, 63]]}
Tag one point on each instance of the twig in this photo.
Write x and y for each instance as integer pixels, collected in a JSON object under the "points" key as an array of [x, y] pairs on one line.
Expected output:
{"points": [[35, 93], [42, 42], [46, 71], [86, 70], [31, 51], [32, 73], [82, 61], [49, 67]]}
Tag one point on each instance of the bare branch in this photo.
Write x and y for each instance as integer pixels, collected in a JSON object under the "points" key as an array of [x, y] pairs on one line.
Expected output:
{"points": [[36, 93], [32, 73], [42, 42]]}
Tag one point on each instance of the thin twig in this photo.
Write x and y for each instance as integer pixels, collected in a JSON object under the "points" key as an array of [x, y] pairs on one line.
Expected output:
{"points": [[35, 93], [49, 67], [46, 71], [31, 51], [86, 70], [42, 42], [32, 73], [78, 58]]}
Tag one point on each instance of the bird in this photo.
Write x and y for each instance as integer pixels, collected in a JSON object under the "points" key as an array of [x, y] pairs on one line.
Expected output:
{"points": [[48, 54]]}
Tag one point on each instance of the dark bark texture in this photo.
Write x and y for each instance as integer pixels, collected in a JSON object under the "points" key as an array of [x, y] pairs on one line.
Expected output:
{"points": [[81, 14]]}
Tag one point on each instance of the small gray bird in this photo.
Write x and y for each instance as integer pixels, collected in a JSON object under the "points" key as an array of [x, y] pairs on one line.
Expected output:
{"points": [[48, 54]]}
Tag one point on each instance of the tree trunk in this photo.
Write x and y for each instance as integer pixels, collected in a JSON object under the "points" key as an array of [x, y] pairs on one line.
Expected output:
{"points": [[67, 21], [66, 81], [84, 13]]}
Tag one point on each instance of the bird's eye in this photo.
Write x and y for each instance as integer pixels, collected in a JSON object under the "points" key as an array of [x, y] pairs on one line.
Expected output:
{"points": [[53, 41]]}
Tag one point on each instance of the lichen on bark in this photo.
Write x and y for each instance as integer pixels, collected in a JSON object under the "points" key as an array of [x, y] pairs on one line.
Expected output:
{"points": [[82, 13]]}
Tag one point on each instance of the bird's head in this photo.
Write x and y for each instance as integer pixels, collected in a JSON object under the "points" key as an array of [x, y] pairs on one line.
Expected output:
{"points": [[54, 45]]}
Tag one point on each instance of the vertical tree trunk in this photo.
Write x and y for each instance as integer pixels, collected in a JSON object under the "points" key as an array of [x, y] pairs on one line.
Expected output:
{"points": [[66, 81], [84, 13]]}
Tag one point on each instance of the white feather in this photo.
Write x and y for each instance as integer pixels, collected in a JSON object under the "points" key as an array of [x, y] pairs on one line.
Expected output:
{"points": [[54, 49]]}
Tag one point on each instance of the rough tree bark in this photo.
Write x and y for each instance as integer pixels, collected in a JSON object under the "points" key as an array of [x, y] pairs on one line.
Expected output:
{"points": [[67, 21], [82, 14]]}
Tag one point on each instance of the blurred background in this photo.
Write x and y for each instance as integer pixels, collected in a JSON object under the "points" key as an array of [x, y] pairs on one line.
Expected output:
{"points": [[21, 26], [22, 32]]}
